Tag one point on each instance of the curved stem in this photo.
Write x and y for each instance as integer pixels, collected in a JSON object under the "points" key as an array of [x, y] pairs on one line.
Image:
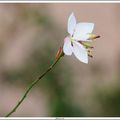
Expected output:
{"points": [[33, 84]]}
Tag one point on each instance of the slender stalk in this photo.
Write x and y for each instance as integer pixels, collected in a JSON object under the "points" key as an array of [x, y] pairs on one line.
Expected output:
{"points": [[32, 85]]}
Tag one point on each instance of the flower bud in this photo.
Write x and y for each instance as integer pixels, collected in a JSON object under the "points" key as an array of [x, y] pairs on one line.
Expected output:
{"points": [[58, 53]]}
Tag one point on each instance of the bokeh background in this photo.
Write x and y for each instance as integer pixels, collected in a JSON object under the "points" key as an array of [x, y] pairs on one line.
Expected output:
{"points": [[30, 35]]}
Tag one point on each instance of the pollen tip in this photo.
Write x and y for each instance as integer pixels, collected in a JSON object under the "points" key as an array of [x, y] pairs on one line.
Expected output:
{"points": [[90, 55], [98, 36], [91, 47]]}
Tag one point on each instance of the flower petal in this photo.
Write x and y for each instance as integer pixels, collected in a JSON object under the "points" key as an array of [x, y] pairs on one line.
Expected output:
{"points": [[71, 24], [82, 30], [80, 52], [67, 48]]}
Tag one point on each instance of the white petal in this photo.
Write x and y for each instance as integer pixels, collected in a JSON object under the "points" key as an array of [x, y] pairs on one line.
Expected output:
{"points": [[80, 52], [67, 48], [82, 30], [71, 24]]}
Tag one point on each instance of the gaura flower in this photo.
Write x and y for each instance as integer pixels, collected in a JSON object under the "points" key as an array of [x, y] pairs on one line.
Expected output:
{"points": [[78, 41]]}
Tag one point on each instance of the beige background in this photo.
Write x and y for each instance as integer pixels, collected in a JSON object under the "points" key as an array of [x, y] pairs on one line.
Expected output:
{"points": [[17, 39]]}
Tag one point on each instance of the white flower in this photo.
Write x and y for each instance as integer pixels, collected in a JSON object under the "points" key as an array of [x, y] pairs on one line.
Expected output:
{"points": [[80, 34]]}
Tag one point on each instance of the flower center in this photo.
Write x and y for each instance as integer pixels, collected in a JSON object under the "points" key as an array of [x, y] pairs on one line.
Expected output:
{"points": [[72, 39]]}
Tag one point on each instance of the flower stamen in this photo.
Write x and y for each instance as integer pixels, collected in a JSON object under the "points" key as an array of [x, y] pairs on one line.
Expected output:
{"points": [[93, 36], [86, 44]]}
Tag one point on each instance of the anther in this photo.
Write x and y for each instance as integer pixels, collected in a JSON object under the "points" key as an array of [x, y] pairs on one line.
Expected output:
{"points": [[90, 55], [93, 36]]}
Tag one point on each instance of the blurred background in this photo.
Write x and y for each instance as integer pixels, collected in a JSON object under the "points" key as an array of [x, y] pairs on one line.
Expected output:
{"points": [[30, 35]]}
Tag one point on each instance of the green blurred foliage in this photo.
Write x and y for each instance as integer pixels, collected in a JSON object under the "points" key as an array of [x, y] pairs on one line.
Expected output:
{"points": [[109, 100]]}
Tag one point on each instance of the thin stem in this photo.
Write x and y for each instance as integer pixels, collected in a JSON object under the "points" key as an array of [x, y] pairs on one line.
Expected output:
{"points": [[33, 84]]}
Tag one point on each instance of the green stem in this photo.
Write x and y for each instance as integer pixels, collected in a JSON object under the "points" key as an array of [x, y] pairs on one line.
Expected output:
{"points": [[33, 84]]}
